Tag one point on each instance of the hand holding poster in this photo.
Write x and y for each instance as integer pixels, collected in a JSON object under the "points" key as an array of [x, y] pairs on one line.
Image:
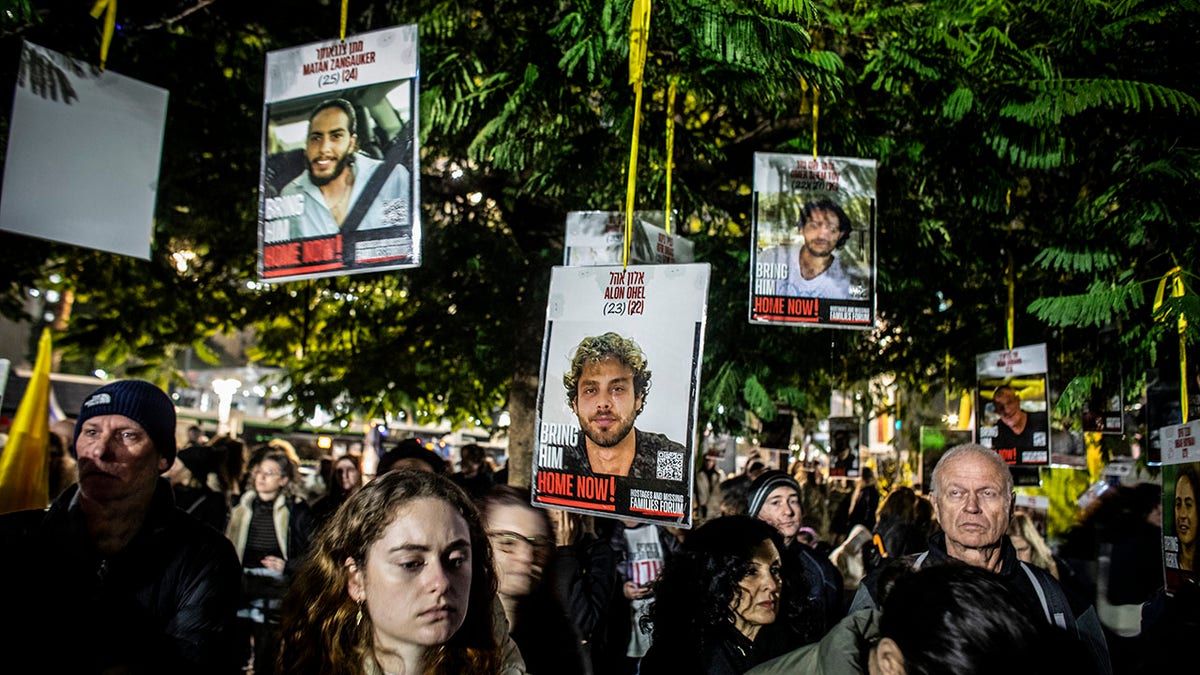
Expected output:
{"points": [[619, 391], [339, 179], [1181, 513], [1012, 410], [813, 259]]}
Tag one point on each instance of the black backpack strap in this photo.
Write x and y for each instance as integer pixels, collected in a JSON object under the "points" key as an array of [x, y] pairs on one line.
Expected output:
{"points": [[1055, 606]]}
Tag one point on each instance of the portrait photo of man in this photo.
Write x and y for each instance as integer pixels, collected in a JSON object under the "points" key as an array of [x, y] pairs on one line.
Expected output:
{"points": [[1015, 427], [817, 267], [606, 386], [337, 175]]}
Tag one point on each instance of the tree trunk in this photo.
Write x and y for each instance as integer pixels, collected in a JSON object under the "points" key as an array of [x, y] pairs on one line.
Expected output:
{"points": [[522, 414]]}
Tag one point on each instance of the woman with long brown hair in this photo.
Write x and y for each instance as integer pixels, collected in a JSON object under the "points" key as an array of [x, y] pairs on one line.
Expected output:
{"points": [[400, 581]]}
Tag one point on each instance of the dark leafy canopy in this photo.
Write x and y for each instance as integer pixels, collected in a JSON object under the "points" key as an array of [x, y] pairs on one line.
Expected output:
{"points": [[1055, 140]]}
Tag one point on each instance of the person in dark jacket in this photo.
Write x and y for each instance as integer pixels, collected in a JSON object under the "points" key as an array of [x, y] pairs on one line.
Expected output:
{"points": [[189, 480], [345, 478], [715, 598], [522, 539], [143, 587], [774, 497], [865, 502], [973, 501]]}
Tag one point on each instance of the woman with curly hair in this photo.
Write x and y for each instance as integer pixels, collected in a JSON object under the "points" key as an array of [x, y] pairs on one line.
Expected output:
{"points": [[400, 581], [715, 598]]}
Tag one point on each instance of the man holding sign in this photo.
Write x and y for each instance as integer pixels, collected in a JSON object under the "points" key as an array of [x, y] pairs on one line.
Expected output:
{"points": [[606, 387]]}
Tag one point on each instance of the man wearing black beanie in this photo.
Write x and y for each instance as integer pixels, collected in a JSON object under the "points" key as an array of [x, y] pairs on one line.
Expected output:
{"points": [[112, 568]]}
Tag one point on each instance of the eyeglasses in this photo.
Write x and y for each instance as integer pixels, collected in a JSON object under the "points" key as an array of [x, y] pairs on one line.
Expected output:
{"points": [[267, 473], [508, 542]]}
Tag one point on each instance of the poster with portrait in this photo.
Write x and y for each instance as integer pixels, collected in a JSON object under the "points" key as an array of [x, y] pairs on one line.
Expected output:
{"points": [[339, 183], [845, 452], [619, 392], [597, 238], [1012, 411], [935, 442], [81, 164], [812, 260], [1181, 479]]}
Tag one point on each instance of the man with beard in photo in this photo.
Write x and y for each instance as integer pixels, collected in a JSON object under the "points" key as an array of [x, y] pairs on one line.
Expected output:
{"points": [[607, 387], [337, 174]]}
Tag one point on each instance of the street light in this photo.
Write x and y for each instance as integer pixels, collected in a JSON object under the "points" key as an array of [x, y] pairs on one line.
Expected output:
{"points": [[225, 389]]}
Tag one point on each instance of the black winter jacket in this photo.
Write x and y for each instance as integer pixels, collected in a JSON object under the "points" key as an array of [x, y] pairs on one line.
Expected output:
{"points": [[164, 603]]}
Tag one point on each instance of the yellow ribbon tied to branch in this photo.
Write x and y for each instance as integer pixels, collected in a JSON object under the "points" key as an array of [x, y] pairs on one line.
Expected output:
{"points": [[639, 38], [1175, 278], [109, 9]]}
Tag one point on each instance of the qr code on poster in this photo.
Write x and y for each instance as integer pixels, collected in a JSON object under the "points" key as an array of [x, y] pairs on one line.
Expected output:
{"points": [[670, 466], [395, 212]]}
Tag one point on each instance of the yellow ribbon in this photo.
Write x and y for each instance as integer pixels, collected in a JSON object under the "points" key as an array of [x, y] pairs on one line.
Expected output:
{"points": [[345, 11], [639, 37], [816, 115], [110, 22], [671, 90], [1010, 277], [1175, 278]]}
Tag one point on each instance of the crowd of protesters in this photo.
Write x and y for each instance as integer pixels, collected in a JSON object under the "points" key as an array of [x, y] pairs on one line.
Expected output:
{"points": [[215, 557]]}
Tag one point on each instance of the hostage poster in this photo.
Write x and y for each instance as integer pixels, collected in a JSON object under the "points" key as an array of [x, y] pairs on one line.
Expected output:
{"points": [[598, 237], [845, 451], [81, 164], [1181, 477], [812, 261], [618, 399], [339, 184], [1012, 412]]}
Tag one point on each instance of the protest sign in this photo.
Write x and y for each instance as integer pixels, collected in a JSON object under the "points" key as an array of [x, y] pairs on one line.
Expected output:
{"points": [[620, 378], [84, 145], [812, 260], [339, 185], [1012, 409]]}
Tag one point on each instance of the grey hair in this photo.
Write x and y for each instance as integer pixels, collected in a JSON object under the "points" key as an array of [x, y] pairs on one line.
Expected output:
{"points": [[986, 454]]}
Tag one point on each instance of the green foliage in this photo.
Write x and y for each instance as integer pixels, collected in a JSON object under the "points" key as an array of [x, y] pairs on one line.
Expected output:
{"points": [[1102, 304]]}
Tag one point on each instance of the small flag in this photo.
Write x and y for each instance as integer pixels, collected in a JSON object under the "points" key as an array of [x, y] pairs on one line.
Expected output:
{"points": [[25, 461]]}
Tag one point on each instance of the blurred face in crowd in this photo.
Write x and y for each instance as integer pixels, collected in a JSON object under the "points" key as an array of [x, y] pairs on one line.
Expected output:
{"points": [[347, 475], [971, 504], [756, 604], [1185, 512], [269, 479], [117, 459], [521, 545], [1024, 549], [606, 404], [782, 511], [415, 580]]}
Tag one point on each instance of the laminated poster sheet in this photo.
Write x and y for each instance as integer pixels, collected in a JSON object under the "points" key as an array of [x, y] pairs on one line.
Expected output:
{"points": [[812, 261], [1180, 481], [845, 450], [598, 237], [339, 183], [84, 145], [619, 392], [1012, 409]]}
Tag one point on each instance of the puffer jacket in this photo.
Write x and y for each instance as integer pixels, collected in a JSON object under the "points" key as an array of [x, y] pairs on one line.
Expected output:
{"points": [[164, 603]]}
